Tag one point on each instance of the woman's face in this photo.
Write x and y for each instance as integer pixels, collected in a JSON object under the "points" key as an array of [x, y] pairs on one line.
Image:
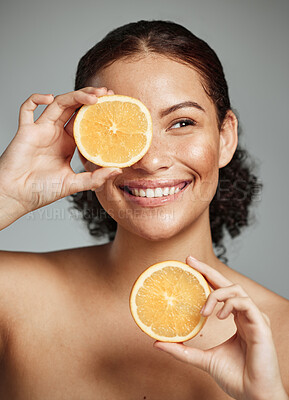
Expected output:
{"points": [[184, 152]]}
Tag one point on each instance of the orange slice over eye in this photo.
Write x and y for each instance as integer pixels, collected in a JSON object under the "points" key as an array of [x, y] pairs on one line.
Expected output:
{"points": [[114, 132]]}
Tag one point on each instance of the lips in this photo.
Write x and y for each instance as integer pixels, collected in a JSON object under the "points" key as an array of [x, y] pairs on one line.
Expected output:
{"points": [[154, 193], [158, 191], [151, 184]]}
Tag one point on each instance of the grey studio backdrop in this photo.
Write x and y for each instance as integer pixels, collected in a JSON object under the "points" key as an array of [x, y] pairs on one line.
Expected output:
{"points": [[41, 43]]}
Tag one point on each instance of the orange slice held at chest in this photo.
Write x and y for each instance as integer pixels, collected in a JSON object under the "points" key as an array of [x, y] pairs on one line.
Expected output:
{"points": [[114, 132], [166, 301]]}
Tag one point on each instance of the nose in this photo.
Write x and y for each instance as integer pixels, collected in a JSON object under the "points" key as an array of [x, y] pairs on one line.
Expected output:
{"points": [[158, 157]]}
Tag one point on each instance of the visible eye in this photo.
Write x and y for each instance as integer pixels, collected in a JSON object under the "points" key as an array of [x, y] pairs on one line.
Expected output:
{"points": [[183, 123]]}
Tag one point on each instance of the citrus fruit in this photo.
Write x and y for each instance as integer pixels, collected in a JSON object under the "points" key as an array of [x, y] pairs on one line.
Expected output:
{"points": [[114, 132], [166, 301]]}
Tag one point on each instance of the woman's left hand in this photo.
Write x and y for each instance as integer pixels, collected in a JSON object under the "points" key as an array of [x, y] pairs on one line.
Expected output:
{"points": [[246, 365]]}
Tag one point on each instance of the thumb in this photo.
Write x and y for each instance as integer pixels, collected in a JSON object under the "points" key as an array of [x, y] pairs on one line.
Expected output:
{"points": [[198, 358], [90, 180]]}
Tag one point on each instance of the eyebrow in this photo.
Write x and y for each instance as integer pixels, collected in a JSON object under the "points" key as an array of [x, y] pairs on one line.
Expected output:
{"points": [[176, 107]]}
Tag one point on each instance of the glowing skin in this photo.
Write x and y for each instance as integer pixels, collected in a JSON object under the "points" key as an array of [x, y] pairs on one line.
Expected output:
{"points": [[177, 151]]}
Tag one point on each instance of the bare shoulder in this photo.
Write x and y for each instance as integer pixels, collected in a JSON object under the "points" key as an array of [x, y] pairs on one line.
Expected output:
{"points": [[27, 270], [69, 258], [33, 282], [25, 276], [22, 274], [24, 264]]}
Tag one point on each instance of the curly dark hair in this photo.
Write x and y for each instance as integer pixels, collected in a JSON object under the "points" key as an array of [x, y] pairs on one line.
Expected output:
{"points": [[237, 186]]}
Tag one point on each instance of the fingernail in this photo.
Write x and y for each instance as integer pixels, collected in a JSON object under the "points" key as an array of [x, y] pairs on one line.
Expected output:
{"points": [[115, 172], [202, 310], [192, 258]]}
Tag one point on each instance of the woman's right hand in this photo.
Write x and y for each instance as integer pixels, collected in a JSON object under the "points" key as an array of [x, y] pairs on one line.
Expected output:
{"points": [[35, 168]]}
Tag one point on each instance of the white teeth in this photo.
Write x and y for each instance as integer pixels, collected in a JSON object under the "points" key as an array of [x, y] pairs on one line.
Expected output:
{"points": [[149, 193], [157, 192], [166, 191]]}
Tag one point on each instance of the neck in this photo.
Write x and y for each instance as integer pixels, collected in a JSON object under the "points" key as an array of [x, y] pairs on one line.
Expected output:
{"points": [[129, 255]]}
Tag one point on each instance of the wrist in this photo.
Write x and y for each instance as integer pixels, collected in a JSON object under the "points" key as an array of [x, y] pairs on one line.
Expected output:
{"points": [[282, 395], [10, 210], [278, 395]]}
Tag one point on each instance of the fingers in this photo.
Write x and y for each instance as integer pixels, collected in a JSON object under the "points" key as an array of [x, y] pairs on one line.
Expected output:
{"points": [[61, 108], [233, 295], [197, 357], [242, 304], [221, 295], [236, 301], [64, 105], [29, 106], [90, 180], [216, 279]]}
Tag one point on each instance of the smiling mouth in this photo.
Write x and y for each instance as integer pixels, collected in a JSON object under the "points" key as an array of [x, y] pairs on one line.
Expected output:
{"points": [[155, 192]]}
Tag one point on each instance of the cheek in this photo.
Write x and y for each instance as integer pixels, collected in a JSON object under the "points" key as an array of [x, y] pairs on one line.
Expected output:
{"points": [[202, 161], [201, 157]]}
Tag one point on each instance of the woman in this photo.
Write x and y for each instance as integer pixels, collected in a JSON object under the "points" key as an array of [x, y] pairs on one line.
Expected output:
{"points": [[66, 330]]}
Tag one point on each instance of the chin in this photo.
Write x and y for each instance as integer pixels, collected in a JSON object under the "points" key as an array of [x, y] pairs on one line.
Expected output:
{"points": [[155, 236], [153, 230]]}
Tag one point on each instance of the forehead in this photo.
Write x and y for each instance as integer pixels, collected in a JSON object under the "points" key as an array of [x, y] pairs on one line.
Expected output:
{"points": [[154, 79]]}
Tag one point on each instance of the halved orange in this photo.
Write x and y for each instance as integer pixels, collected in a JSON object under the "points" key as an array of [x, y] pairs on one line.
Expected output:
{"points": [[166, 301], [114, 132]]}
